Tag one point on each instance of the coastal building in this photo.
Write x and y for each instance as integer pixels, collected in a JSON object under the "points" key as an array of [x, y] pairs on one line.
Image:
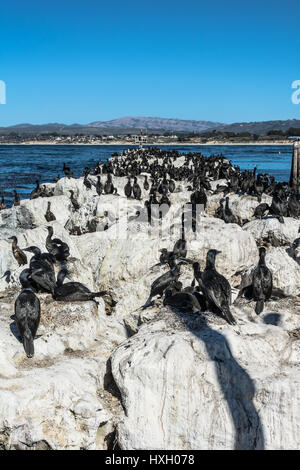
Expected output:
{"points": [[140, 140]]}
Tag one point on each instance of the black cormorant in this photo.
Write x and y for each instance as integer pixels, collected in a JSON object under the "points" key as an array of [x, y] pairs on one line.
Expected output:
{"points": [[162, 283], [42, 270], [262, 282], [27, 313], [49, 216], [73, 291], [214, 286]]}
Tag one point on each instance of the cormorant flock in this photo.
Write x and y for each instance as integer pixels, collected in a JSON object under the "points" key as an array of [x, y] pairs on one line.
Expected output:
{"points": [[209, 290]]}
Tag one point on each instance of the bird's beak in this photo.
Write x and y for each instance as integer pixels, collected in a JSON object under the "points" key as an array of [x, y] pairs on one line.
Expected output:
{"points": [[218, 252]]}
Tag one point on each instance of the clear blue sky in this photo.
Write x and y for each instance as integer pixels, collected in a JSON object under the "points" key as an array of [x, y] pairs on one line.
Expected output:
{"points": [[82, 61]]}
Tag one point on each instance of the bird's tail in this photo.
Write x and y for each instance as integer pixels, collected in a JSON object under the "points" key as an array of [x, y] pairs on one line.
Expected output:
{"points": [[147, 303], [99, 294], [259, 306], [228, 315], [28, 343]]}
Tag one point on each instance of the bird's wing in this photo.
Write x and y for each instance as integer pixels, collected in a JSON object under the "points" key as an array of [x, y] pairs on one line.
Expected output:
{"points": [[71, 288], [267, 282], [215, 287], [160, 280], [22, 256], [257, 283], [33, 316]]}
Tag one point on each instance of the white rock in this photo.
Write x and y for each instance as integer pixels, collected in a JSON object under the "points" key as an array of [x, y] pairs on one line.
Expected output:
{"points": [[53, 399], [243, 206], [66, 398], [189, 386], [35, 209], [285, 271], [285, 233]]}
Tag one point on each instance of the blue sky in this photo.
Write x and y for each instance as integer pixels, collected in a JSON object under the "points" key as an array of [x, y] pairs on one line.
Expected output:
{"points": [[82, 61]]}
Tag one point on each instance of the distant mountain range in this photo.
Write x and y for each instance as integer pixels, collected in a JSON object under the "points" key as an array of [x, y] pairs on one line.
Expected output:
{"points": [[260, 128], [127, 125], [179, 125], [123, 125]]}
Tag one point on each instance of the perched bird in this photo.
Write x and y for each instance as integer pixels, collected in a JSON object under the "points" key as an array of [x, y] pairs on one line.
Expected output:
{"points": [[49, 242], [19, 254], [259, 187], [136, 189], [16, 199], [228, 216], [56, 247], [184, 301], [163, 282], [36, 192], [199, 198], [221, 189], [66, 170], [74, 201], [220, 210], [146, 184], [278, 206], [214, 286], [294, 250], [2, 203], [62, 250], [55, 180], [99, 186], [27, 314], [87, 183], [172, 186], [165, 256], [260, 210], [128, 188], [73, 291], [262, 282], [108, 186], [49, 216], [42, 270], [294, 205], [180, 250]]}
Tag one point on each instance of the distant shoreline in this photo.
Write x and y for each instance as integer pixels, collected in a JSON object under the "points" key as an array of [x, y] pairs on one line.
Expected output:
{"points": [[155, 144]]}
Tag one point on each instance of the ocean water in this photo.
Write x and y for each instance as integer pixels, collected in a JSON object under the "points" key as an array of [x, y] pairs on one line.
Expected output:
{"points": [[22, 165]]}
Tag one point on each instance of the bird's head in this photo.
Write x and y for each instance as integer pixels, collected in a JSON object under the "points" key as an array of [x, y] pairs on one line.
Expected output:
{"points": [[33, 249]]}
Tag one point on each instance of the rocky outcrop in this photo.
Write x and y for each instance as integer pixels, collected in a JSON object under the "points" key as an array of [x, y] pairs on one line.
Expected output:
{"points": [[285, 272], [242, 206], [115, 375], [193, 382], [269, 229], [60, 397]]}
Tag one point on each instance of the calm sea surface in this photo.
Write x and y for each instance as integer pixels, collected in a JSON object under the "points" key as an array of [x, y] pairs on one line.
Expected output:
{"points": [[22, 165]]}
